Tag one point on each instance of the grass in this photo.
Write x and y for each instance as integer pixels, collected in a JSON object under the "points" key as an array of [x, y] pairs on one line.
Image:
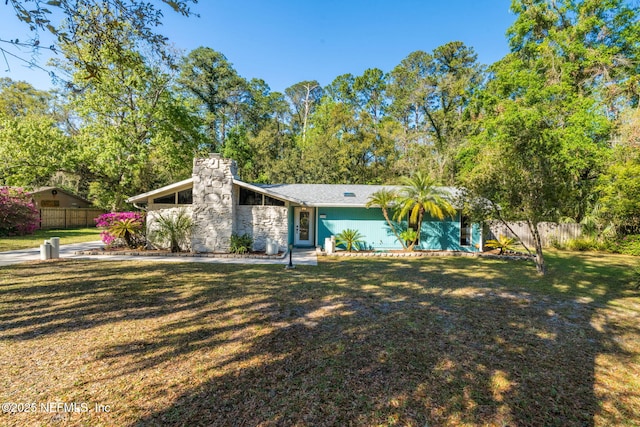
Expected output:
{"points": [[72, 235], [437, 341]]}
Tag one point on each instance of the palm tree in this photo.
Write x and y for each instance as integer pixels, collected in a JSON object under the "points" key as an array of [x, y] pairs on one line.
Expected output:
{"points": [[385, 199], [175, 228], [420, 196]]}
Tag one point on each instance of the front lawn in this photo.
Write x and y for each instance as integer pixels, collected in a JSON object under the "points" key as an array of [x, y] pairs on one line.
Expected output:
{"points": [[67, 236], [425, 341]]}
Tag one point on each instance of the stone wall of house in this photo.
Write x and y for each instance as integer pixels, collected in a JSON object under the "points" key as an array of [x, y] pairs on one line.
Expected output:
{"points": [[152, 227], [213, 203], [263, 222]]}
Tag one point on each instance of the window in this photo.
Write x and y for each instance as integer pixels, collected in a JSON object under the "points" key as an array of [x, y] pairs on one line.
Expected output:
{"points": [[50, 203], [185, 197], [169, 199], [465, 231], [248, 197], [270, 201]]}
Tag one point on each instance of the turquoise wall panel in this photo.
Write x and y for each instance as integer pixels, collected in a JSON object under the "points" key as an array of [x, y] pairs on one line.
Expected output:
{"points": [[369, 222], [291, 225], [436, 235]]}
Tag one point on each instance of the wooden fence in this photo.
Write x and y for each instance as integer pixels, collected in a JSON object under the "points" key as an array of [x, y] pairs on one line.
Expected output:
{"points": [[549, 231], [68, 218]]}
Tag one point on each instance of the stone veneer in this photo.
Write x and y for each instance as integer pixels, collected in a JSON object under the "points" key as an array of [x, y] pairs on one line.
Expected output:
{"points": [[213, 204], [263, 222]]}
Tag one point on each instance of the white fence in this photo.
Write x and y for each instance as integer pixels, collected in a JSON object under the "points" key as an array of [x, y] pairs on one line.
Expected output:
{"points": [[549, 231]]}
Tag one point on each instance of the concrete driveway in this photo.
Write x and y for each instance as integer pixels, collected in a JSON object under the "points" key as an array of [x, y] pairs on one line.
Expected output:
{"points": [[300, 256]]}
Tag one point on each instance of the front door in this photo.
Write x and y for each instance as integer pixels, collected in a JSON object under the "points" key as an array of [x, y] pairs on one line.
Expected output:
{"points": [[303, 226]]}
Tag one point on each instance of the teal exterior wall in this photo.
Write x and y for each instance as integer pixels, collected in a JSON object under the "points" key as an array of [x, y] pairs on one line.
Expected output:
{"points": [[291, 225], [436, 234]]}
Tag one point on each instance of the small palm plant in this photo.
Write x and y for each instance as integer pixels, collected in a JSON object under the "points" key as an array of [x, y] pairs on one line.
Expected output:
{"points": [[503, 243], [127, 229], [408, 238], [350, 239], [173, 228]]}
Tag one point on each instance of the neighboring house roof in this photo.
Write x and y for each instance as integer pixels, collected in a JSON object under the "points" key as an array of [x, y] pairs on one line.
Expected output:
{"points": [[314, 195], [42, 190]]}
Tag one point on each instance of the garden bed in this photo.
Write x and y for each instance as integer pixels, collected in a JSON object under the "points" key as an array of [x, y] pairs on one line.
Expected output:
{"points": [[155, 252], [419, 253]]}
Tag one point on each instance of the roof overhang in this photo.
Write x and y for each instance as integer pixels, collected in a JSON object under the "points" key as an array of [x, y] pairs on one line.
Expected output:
{"points": [[141, 198], [268, 192]]}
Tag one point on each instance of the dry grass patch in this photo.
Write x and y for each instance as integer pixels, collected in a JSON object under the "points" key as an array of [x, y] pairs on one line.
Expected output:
{"points": [[438, 342]]}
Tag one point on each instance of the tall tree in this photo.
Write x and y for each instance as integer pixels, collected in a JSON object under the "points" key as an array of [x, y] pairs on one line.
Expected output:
{"points": [[127, 118], [210, 77], [431, 95], [545, 125], [304, 98]]}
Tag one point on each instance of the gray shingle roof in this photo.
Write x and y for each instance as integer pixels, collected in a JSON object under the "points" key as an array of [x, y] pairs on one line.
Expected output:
{"points": [[324, 194], [338, 195], [354, 195]]}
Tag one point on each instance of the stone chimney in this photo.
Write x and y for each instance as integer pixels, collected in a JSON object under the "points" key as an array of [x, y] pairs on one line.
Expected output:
{"points": [[213, 203]]}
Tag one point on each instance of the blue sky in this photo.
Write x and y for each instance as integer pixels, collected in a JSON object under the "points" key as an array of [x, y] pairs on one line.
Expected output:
{"points": [[287, 41]]}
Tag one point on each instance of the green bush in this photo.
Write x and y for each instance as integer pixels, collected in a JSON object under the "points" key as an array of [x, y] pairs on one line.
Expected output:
{"points": [[627, 245], [582, 244], [240, 244], [409, 237]]}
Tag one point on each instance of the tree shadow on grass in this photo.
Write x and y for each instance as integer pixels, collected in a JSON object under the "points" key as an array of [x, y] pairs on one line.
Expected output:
{"points": [[408, 352], [352, 342]]}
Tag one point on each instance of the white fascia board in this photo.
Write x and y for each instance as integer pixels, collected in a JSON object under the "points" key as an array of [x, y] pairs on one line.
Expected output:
{"points": [[339, 205], [144, 196]]}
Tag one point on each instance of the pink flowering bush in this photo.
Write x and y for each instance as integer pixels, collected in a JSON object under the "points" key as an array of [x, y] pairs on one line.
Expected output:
{"points": [[18, 213], [122, 228]]}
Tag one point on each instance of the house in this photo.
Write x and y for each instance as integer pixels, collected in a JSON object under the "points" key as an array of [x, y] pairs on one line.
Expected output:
{"points": [[300, 214], [54, 197]]}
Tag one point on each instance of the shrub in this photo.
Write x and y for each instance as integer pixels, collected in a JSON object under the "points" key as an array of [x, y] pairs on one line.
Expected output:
{"points": [[122, 228], [174, 228], [627, 245], [350, 239], [582, 244], [240, 244], [18, 214], [409, 237], [503, 243]]}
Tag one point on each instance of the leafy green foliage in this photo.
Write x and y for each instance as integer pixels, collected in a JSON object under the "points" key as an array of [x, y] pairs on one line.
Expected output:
{"points": [[408, 238], [172, 227], [627, 245], [241, 244], [350, 239]]}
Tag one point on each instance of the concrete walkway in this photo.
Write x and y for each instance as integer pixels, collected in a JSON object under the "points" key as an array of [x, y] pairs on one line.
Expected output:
{"points": [[300, 256]]}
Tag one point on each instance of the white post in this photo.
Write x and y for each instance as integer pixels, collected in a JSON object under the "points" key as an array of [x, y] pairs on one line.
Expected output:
{"points": [[329, 247], [55, 247], [45, 251]]}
